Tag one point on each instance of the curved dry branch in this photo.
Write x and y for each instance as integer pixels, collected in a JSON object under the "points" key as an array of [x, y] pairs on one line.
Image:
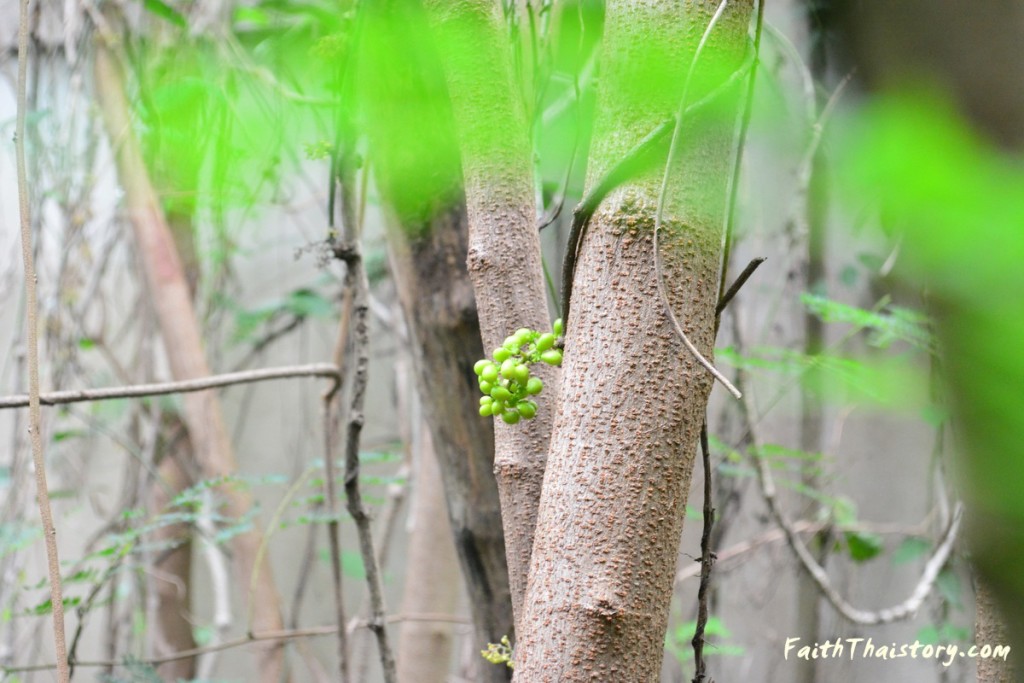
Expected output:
{"points": [[887, 615]]}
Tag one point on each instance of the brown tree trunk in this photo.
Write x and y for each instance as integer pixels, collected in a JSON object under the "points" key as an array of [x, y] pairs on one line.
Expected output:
{"points": [[633, 398], [504, 256], [437, 298], [179, 328], [431, 583]]}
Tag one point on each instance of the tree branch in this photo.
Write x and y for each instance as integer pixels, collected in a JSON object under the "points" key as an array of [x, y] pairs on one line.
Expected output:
{"points": [[288, 634], [903, 610], [35, 420], [741, 143], [162, 388]]}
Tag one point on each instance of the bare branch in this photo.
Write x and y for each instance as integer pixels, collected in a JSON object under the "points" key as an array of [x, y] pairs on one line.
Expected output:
{"points": [[249, 639], [35, 419], [162, 388], [903, 610]]}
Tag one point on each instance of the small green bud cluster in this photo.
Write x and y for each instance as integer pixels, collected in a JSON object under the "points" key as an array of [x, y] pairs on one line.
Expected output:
{"points": [[506, 382], [499, 653]]}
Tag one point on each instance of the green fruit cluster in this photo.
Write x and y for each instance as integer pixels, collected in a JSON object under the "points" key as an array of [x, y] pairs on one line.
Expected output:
{"points": [[506, 382]]}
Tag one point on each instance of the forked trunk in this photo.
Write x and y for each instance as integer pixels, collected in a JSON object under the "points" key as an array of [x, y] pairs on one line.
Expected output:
{"points": [[633, 398]]}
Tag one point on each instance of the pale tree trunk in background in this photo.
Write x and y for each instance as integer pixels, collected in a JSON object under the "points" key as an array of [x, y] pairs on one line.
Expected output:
{"points": [[179, 328], [504, 256], [812, 422], [428, 242], [171, 578], [432, 577], [633, 398]]}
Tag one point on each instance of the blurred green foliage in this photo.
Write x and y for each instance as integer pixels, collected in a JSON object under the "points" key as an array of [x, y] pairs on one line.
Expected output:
{"points": [[958, 204]]}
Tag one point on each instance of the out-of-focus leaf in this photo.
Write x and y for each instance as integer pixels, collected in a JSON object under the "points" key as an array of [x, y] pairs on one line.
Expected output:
{"points": [[894, 324], [863, 546], [165, 11], [910, 549]]}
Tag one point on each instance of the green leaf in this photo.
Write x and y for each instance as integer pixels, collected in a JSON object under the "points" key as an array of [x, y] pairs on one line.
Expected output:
{"points": [[910, 549], [892, 382], [894, 324], [943, 633], [65, 434], [678, 640], [307, 302], [250, 15], [863, 546], [352, 564], [948, 584], [47, 606], [165, 11]]}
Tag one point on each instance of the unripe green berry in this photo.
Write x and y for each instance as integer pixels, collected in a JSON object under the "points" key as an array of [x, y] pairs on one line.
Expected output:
{"points": [[534, 385], [510, 417], [485, 410], [521, 373], [490, 373], [552, 357], [508, 368], [486, 387], [501, 354], [479, 366], [557, 327], [527, 409], [502, 394], [545, 342]]}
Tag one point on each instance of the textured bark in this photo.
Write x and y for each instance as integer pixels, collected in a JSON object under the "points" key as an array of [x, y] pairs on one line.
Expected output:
{"points": [[633, 399], [504, 257], [171, 578], [990, 630], [425, 648], [179, 329]]}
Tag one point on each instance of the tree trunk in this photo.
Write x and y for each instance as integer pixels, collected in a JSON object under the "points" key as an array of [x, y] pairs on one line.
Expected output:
{"points": [[633, 398], [418, 171], [179, 329], [504, 257], [436, 296], [425, 648], [991, 630]]}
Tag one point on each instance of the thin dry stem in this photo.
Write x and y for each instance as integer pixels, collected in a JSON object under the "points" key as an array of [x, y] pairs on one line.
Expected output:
{"points": [[35, 419], [673, 146], [162, 388]]}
